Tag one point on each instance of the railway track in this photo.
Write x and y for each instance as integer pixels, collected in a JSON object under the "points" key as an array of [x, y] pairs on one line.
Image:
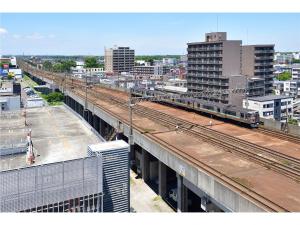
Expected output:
{"points": [[279, 135]]}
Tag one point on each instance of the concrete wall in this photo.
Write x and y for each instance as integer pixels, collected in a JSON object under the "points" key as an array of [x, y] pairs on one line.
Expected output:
{"points": [[231, 58], [248, 60], [276, 125]]}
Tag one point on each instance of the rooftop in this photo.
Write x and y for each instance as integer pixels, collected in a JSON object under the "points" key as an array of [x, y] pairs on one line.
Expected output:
{"points": [[57, 135], [268, 98]]}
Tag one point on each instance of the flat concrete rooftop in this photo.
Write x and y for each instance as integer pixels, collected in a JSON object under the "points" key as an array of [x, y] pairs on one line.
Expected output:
{"points": [[57, 135]]}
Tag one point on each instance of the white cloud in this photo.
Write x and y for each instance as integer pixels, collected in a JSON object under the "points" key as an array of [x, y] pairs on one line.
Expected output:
{"points": [[35, 36], [2, 31]]}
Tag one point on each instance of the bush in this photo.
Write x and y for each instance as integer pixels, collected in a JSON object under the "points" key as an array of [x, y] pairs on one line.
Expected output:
{"points": [[284, 76], [54, 97], [293, 122]]}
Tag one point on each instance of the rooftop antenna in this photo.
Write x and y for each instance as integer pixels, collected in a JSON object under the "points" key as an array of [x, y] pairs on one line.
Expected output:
{"points": [[217, 23], [247, 36]]}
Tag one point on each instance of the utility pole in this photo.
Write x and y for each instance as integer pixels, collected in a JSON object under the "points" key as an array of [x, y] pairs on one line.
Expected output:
{"points": [[247, 92], [130, 105], [287, 115], [86, 83]]}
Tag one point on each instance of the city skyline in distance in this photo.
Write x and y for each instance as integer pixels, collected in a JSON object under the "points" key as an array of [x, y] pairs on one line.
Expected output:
{"points": [[147, 33]]}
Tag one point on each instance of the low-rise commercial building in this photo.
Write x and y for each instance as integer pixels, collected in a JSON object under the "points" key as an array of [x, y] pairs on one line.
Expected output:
{"points": [[10, 99], [271, 107]]}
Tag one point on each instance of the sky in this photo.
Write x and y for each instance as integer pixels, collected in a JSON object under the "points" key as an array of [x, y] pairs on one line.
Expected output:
{"points": [[148, 34]]}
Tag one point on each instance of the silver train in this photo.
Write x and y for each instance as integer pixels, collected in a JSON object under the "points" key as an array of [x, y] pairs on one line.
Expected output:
{"points": [[229, 112]]}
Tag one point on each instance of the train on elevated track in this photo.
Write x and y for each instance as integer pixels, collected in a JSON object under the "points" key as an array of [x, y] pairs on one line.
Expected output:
{"points": [[229, 112]]}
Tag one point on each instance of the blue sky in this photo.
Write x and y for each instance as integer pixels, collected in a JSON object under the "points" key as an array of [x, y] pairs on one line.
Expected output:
{"points": [[157, 33]]}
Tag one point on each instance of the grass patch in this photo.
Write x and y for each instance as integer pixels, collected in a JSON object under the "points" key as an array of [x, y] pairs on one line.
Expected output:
{"points": [[29, 81], [242, 181]]}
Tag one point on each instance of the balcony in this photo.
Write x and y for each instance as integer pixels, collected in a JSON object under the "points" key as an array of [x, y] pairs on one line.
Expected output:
{"points": [[264, 70], [261, 51]]}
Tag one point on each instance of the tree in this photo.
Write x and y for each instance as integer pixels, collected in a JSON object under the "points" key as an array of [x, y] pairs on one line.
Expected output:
{"points": [[47, 65], [57, 67], [91, 62], [64, 66], [284, 76]]}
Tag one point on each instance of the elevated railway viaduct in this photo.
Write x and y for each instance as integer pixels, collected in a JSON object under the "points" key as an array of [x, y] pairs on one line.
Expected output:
{"points": [[193, 168]]}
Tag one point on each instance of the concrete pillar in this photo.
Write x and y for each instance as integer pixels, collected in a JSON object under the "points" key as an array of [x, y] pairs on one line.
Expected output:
{"points": [[96, 122], [72, 104], [86, 115], [81, 110], [90, 118], [162, 179], [76, 107], [145, 165], [182, 199], [101, 127], [132, 152]]}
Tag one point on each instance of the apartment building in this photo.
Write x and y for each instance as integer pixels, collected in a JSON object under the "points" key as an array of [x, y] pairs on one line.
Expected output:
{"points": [[296, 72], [150, 70], [118, 59], [257, 61], [211, 63], [218, 64]]}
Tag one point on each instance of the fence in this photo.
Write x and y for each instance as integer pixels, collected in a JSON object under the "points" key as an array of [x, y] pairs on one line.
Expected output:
{"points": [[36, 186]]}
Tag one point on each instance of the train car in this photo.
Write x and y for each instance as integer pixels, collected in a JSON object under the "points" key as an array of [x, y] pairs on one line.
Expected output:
{"points": [[229, 112]]}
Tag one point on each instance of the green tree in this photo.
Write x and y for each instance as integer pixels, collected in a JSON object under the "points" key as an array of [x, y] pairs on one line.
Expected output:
{"points": [[47, 65], [57, 67], [64, 66], [91, 62], [68, 64], [284, 76]]}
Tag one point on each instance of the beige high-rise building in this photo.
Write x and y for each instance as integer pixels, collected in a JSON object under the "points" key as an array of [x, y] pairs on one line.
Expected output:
{"points": [[108, 61], [119, 59]]}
